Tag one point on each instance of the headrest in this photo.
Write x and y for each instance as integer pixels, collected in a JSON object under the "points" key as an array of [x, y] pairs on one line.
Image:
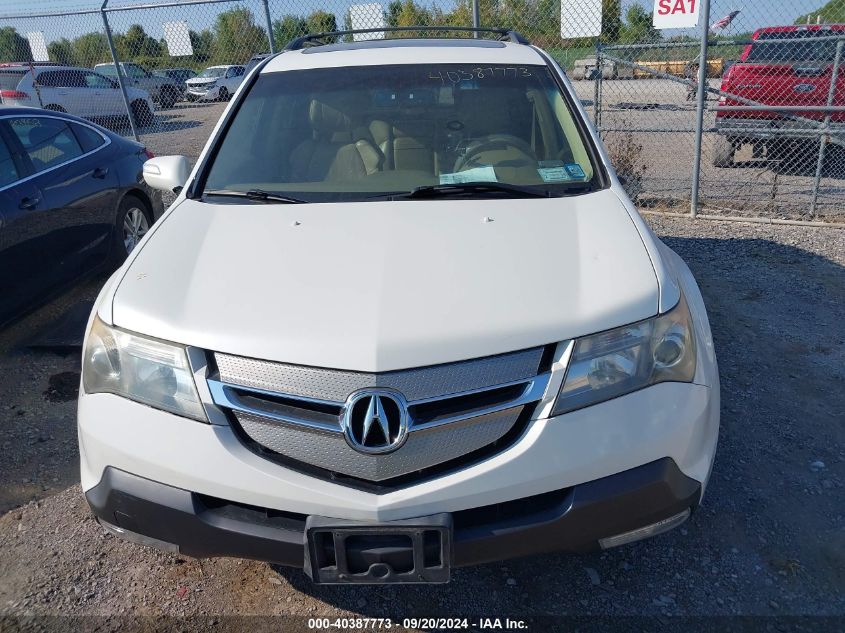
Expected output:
{"points": [[327, 120], [41, 135]]}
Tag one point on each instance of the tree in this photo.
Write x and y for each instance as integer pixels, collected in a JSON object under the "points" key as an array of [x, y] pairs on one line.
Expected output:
{"points": [[321, 22], [13, 46], [391, 16], [136, 43], [237, 38], [203, 45], [412, 14], [611, 20], [62, 51], [638, 26], [287, 28], [831, 13], [91, 49]]}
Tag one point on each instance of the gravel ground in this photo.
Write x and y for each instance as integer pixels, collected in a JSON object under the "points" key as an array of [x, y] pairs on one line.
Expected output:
{"points": [[768, 541]]}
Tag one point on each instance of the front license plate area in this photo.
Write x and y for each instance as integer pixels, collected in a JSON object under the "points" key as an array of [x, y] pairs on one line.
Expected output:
{"points": [[410, 551]]}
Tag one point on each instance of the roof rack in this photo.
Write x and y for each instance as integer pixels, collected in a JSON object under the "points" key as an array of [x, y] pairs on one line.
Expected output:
{"points": [[317, 39]]}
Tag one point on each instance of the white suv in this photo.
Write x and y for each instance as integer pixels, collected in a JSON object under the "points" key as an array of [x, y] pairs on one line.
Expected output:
{"points": [[401, 317], [78, 91], [216, 83]]}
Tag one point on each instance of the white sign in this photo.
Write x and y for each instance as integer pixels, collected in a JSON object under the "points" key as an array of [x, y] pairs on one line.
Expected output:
{"points": [[38, 46], [178, 39], [367, 16], [675, 14], [580, 18]]}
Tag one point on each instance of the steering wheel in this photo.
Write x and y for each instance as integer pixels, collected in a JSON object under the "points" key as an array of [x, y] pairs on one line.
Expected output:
{"points": [[493, 142]]}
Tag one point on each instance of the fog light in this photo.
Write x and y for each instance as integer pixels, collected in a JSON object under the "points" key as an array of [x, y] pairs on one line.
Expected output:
{"points": [[645, 532]]}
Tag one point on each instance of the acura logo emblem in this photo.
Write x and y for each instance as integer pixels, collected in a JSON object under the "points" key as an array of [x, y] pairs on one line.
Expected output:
{"points": [[375, 420]]}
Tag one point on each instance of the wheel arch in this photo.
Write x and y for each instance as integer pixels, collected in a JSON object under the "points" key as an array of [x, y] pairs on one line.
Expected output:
{"points": [[142, 195]]}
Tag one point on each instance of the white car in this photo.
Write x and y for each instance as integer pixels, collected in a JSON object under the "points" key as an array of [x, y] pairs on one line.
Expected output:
{"points": [[401, 317], [77, 91], [215, 83]]}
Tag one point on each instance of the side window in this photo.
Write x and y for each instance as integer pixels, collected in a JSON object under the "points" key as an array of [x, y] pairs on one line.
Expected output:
{"points": [[49, 79], [8, 169], [88, 138], [107, 70], [93, 80], [136, 72], [47, 142], [61, 79]]}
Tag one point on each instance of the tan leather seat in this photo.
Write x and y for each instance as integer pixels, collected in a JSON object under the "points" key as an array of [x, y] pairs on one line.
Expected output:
{"points": [[406, 145], [332, 153]]}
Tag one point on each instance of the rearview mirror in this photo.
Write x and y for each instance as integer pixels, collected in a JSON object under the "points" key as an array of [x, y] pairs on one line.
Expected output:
{"points": [[167, 173]]}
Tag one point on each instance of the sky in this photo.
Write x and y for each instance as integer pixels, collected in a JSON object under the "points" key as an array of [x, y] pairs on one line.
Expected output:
{"points": [[753, 13]]}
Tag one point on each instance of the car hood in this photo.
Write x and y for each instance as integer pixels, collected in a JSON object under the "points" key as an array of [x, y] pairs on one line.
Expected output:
{"points": [[380, 286], [136, 93]]}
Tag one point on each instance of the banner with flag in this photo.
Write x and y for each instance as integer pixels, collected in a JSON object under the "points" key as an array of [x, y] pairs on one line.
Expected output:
{"points": [[725, 21]]}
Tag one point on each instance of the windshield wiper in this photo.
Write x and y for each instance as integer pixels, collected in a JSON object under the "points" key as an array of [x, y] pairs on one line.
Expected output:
{"points": [[464, 188], [259, 195]]}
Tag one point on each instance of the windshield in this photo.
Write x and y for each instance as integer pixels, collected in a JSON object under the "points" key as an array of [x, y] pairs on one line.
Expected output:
{"points": [[213, 72], [803, 46], [338, 134]]}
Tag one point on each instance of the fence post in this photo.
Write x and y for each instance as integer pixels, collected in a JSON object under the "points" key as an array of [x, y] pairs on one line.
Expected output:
{"points": [[476, 17], [823, 138], [597, 86], [270, 37], [118, 70], [701, 101]]}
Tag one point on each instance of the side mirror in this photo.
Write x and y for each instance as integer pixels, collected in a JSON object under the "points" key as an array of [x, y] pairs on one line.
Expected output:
{"points": [[167, 173]]}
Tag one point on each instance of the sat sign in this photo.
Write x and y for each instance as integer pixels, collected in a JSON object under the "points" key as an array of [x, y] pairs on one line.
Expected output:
{"points": [[675, 14]]}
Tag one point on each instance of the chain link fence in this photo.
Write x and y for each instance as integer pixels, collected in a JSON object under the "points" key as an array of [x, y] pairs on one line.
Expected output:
{"points": [[756, 130]]}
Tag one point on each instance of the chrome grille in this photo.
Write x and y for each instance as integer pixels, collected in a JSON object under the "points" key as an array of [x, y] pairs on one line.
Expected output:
{"points": [[416, 384], [424, 449], [453, 409]]}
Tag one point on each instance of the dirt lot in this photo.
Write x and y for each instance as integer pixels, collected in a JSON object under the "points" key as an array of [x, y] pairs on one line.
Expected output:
{"points": [[768, 541]]}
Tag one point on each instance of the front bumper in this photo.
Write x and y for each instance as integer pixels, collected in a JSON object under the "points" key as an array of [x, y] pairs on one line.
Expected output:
{"points": [[201, 92], [774, 128], [572, 519], [675, 420]]}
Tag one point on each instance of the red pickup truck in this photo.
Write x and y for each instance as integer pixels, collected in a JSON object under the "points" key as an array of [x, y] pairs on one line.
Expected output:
{"points": [[784, 66]]}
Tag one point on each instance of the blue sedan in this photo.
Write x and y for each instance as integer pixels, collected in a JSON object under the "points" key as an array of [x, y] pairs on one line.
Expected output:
{"points": [[72, 198]]}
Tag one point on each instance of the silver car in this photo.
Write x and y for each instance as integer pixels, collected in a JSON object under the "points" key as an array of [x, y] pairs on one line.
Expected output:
{"points": [[163, 90]]}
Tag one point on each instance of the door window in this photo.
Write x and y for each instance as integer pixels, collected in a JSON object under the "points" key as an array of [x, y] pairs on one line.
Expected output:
{"points": [[93, 80], [88, 138], [8, 169], [136, 72], [62, 79], [47, 142]]}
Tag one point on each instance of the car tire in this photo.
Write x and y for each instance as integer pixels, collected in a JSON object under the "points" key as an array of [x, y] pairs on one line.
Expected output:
{"points": [[168, 97], [133, 220], [141, 112], [223, 94], [723, 152], [53, 107]]}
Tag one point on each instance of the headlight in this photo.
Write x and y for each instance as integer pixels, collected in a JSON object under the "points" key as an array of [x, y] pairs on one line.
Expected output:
{"points": [[616, 362], [146, 370]]}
